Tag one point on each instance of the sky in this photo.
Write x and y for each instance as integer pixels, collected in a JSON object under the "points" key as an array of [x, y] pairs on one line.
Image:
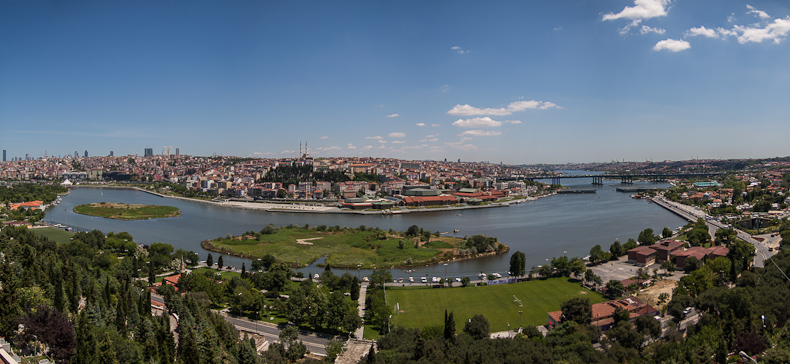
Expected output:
{"points": [[566, 81]]}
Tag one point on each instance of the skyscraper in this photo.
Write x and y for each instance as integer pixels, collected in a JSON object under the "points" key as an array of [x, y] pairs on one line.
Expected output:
{"points": [[76, 154], [86, 154], [3, 155], [178, 152], [148, 152], [111, 154]]}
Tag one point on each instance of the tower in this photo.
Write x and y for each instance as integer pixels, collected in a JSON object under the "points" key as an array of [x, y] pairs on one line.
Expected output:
{"points": [[4, 155], [86, 154], [178, 152]]}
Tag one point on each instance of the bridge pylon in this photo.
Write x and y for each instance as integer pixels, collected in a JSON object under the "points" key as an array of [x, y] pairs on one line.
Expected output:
{"points": [[597, 180]]}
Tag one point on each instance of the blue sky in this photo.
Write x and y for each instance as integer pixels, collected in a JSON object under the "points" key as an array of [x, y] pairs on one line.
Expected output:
{"points": [[511, 81]]}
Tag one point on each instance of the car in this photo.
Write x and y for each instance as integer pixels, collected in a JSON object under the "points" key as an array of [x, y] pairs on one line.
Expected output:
{"points": [[411, 279], [315, 276], [770, 249], [424, 279], [365, 279], [687, 310], [457, 279], [400, 280]]}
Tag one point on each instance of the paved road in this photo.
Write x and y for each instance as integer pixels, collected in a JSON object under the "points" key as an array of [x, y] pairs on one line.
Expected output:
{"points": [[316, 343]]}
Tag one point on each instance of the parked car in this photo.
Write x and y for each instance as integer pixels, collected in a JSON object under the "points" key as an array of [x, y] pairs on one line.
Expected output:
{"points": [[411, 279]]}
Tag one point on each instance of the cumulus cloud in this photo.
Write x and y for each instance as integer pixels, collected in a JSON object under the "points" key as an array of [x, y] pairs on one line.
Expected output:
{"points": [[383, 141], [468, 110], [435, 125], [420, 124], [759, 13], [462, 145], [642, 9], [775, 31], [374, 137], [350, 146], [479, 133], [672, 45], [325, 137], [702, 31], [398, 141], [484, 122], [397, 135], [459, 50], [646, 29], [393, 115]]}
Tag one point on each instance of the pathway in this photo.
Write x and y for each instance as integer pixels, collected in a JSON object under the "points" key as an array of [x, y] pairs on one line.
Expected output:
{"points": [[363, 290]]}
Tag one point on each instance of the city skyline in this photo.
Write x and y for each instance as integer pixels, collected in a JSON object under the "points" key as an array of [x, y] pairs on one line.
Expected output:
{"points": [[552, 82]]}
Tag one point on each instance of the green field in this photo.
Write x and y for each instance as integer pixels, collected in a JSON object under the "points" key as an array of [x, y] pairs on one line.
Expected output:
{"points": [[419, 307], [122, 211], [299, 247], [54, 234]]}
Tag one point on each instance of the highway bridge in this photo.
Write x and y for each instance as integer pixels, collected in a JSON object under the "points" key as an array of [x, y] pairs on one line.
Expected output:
{"points": [[625, 178]]}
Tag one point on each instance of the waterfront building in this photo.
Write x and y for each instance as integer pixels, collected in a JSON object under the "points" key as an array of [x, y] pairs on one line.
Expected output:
{"points": [[603, 313]]}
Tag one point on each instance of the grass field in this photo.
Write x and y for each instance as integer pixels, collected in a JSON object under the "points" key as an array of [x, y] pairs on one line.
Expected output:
{"points": [[54, 234], [122, 211], [300, 246], [419, 307]]}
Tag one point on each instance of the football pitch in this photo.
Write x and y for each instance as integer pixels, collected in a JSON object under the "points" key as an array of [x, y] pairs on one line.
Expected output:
{"points": [[500, 304]]}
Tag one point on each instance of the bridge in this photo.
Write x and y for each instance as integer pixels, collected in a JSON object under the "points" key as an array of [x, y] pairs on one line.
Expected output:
{"points": [[625, 178]]}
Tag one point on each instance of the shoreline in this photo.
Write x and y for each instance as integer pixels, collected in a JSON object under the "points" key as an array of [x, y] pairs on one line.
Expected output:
{"points": [[312, 209]]}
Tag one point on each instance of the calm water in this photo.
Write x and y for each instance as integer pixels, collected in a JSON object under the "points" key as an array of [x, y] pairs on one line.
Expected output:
{"points": [[543, 229]]}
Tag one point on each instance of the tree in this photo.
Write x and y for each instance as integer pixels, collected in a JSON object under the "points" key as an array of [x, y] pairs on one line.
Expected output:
{"points": [[646, 237], [578, 310], [666, 233], [477, 327], [449, 326], [577, 267], [597, 255], [210, 260], [630, 244], [465, 281], [219, 263], [413, 231], [615, 288], [518, 263], [616, 249]]}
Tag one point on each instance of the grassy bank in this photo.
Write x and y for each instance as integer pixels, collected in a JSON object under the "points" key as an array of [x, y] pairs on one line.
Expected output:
{"points": [[55, 234], [122, 211], [343, 248], [419, 307]]}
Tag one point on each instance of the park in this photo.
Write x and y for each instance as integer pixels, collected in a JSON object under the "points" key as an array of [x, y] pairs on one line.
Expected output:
{"points": [[122, 211]]}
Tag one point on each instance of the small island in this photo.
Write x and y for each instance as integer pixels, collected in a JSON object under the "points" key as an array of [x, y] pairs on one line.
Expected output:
{"points": [[350, 248], [123, 211]]}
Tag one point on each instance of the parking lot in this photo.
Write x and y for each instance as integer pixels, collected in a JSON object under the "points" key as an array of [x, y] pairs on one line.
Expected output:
{"points": [[622, 269]]}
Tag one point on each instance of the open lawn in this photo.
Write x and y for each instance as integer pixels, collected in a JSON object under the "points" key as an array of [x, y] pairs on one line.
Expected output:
{"points": [[500, 304], [122, 211], [57, 235], [347, 248]]}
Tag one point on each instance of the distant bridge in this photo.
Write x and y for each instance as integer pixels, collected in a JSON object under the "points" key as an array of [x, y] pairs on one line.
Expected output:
{"points": [[625, 178]]}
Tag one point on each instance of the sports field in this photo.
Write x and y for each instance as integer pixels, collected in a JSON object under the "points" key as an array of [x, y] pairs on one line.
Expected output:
{"points": [[499, 304], [54, 234]]}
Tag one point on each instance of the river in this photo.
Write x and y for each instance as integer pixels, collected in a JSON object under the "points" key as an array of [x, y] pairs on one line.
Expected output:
{"points": [[545, 228]]}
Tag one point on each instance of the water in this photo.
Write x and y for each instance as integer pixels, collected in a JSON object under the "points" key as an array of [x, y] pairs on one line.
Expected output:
{"points": [[545, 228]]}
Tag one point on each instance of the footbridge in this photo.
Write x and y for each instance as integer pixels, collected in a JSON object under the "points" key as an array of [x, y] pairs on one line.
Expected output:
{"points": [[625, 178]]}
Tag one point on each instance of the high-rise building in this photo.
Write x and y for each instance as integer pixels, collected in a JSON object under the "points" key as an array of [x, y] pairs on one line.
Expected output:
{"points": [[76, 154], [148, 152], [3, 155], [178, 151], [111, 154], [86, 154]]}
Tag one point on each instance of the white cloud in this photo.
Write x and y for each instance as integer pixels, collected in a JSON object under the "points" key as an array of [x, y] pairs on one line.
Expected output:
{"points": [[731, 18], [374, 137], [557, 28], [420, 124], [432, 136], [479, 133], [383, 141], [393, 115], [461, 145], [515, 121], [672, 45], [759, 13], [433, 139], [397, 135], [775, 31], [468, 110], [435, 125], [702, 31], [325, 137], [459, 50], [642, 9], [398, 142], [445, 88], [350, 146], [646, 29], [367, 147], [484, 122]]}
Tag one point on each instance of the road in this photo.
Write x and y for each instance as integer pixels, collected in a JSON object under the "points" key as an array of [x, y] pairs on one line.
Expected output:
{"points": [[692, 214], [315, 342]]}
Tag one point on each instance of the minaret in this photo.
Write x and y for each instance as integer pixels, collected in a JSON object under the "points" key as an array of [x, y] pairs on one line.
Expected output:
{"points": [[300, 149]]}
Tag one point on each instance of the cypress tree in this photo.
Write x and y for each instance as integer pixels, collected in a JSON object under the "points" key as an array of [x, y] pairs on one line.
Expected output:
{"points": [[219, 263]]}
